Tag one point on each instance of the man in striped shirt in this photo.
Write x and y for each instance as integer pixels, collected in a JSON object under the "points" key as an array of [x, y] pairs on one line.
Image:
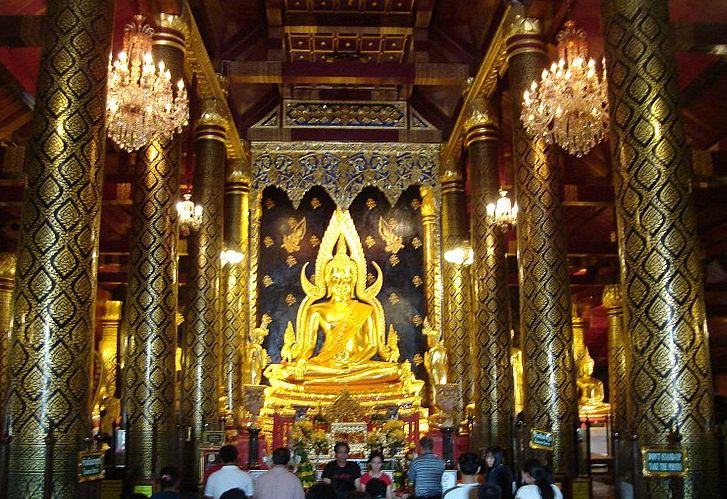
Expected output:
{"points": [[426, 472]]}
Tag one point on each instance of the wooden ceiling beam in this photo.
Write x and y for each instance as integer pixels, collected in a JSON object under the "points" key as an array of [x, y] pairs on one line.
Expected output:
{"points": [[709, 38], [274, 12], [340, 73], [710, 76], [21, 31], [455, 47], [237, 45], [423, 16], [321, 21]]}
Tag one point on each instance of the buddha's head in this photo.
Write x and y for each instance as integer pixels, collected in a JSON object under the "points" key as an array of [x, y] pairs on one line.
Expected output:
{"points": [[340, 275], [586, 366]]}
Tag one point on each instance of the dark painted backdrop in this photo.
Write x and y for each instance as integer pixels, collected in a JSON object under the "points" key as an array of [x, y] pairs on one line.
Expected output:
{"points": [[402, 294]]}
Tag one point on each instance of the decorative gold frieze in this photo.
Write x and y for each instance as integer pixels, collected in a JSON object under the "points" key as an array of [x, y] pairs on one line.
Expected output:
{"points": [[344, 169], [320, 114]]}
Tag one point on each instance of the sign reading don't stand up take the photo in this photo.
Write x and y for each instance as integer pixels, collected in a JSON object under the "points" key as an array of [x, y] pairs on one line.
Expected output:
{"points": [[540, 439], [663, 461], [90, 466]]}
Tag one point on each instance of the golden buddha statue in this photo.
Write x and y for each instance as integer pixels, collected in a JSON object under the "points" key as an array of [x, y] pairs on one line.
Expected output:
{"points": [[518, 378], [590, 390], [436, 359], [339, 305], [257, 357]]}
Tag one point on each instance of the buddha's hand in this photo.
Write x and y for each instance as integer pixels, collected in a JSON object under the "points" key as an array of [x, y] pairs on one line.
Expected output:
{"points": [[300, 367]]}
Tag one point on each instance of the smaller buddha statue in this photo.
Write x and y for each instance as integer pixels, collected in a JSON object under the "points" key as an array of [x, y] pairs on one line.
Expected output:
{"points": [[257, 356], [590, 390], [518, 378], [436, 359]]}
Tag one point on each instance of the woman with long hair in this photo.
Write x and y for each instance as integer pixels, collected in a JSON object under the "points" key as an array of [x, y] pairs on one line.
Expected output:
{"points": [[375, 462], [537, 484], [497, 472]]}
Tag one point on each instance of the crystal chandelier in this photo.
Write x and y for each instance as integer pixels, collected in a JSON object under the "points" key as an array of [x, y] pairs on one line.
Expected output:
{"points": [[190, 215], [569, 106], [502, 213], [141, 105]]}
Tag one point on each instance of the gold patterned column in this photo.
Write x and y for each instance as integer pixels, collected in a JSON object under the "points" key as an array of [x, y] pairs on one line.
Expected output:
{"points": [[151, 328], [619, 365], [108, 348], [663, 302], [252, 289], [578, 326], [545, 311], [7, 284], [200, 400], [432, 260], [432, 269], [235, 300], [457, 286], [494, 402], [55, 284]]}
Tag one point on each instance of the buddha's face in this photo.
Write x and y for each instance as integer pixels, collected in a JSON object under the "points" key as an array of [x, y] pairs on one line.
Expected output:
{"points": [[586, 369], [341, 281]]}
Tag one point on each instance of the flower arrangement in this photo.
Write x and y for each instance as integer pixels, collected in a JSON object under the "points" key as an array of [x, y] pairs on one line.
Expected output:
{"points": [[301, 435], [308, 439], [395, 436], [375, 440], [318, 442], [304, 468], [301, 432]]}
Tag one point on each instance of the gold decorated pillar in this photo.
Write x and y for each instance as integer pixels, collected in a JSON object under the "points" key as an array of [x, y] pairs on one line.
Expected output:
{"points": [[432, 257], [200, 396], [51, 341], [619, 365], [7, 283], [432, 271], [151, 327], [108, 348], [255, 216], [457, 286], [494, 395], [545, 304], [663, 301], [235, 301]]}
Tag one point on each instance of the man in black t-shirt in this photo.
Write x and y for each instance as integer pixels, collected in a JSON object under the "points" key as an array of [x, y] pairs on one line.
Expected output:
{"points": [[341, 473]]}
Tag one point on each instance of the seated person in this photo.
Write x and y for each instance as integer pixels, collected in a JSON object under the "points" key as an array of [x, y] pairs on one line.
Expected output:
{"points": [[378, 489], [234, 494], [498, 473], [468, 465], [321, 491], [489, 491], [376, 462], [536, 482], [341, 473]]}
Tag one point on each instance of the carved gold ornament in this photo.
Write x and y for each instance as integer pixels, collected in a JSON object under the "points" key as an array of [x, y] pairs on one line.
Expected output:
{"points": [[391, 240], [291, 242]]}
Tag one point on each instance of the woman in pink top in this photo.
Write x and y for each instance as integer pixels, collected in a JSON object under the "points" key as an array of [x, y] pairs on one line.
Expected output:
{"points": [[376, 461]]}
